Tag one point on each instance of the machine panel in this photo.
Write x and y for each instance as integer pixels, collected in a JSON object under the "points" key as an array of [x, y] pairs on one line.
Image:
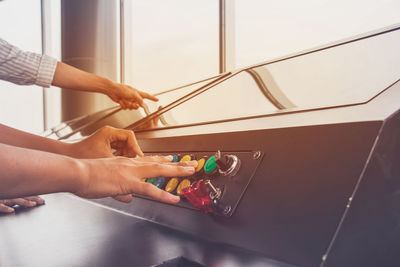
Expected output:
{"points": [[219, 183]]}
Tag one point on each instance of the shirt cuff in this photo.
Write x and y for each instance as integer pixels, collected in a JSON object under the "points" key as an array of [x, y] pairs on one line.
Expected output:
{"points": [[47, 68]]}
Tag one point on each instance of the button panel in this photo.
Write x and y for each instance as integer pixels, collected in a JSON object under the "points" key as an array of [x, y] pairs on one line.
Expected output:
{"points": [[219, 181]]}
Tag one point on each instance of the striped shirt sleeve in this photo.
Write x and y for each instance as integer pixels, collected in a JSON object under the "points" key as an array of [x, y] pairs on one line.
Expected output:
{"points": [[25, 68]]}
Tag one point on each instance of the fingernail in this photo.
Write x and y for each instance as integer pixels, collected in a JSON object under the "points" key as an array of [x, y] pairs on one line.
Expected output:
{"points": [[31, 204], [174, 198], [9, 210], [189, 169], [193, 163]]}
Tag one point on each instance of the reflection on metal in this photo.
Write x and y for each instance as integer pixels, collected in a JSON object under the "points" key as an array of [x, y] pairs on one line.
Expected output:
{"points": [[187, 85], [89, 42], [90, 123], [264, 81], [78, 122], [75, 122], [179, 101], [272, 92]]}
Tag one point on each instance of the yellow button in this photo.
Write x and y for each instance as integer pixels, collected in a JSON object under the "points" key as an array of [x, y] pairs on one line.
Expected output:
{"points": [[185, 183], [143, 180], [171, 185], [186, 158], [200, 164]]}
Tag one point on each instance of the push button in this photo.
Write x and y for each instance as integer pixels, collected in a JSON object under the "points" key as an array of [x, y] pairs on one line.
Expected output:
{"points": [[151, 180], [186, 158], [210, 166], [200, 164], [171, 185], [185, 183], [175, 158], [159, 182]]}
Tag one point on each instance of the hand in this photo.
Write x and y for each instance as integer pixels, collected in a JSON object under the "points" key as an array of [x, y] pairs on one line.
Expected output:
{"points": [[28, 202], [150, 124], [99, 144], [120, 177], [128, 97], [69, 77]]}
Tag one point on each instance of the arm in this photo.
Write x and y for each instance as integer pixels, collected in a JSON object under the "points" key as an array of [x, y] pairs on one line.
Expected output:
{"points": [[19, 138], [98, 145], [27, 68], [69, 77], [30, 172]]}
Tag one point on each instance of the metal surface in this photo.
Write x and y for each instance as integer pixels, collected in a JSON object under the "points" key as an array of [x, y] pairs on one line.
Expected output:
{"points": [[90, 41], [369, 233], [301, 79], [69, 231], [295, 201], [325, 192], [232, 188]]}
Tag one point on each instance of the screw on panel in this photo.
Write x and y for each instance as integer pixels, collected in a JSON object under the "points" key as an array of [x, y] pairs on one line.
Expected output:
{"points": [[227, 210], [256, 154]]}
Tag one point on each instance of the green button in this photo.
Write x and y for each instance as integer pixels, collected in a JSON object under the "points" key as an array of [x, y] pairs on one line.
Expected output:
{"points": [[210, 165], [151, 180]]}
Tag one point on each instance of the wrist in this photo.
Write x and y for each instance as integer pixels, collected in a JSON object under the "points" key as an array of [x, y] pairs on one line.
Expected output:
{"points": [[80, 175], [106, 86]]}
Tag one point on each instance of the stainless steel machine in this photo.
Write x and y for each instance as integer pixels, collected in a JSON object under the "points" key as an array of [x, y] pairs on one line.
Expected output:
{"points": [[299, 167]]}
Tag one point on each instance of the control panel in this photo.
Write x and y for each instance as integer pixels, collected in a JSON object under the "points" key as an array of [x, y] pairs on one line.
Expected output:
{"points": [[220, 180]]}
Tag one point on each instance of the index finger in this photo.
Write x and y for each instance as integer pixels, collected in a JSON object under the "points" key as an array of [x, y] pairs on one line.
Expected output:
{"points": [[129, 137], [148, 96], [150, 170], [156, 193]]}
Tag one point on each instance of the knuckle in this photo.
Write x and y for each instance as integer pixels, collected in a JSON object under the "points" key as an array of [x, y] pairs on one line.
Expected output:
{"points": [[147, 188], [106, 128]]}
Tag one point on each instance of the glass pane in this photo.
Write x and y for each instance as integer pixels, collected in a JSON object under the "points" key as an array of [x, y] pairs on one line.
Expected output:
{"points": [[346, 74], [267, 29], [170, 42], [21, 107]]}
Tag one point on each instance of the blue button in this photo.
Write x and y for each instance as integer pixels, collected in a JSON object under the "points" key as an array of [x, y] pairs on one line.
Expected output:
{"points": [[175, 158], [159, 182]]}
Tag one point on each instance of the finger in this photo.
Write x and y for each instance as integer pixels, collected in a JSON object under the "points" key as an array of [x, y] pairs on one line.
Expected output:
{"points": [[124, 198], [23, 202], [167, 160], [37, 199], [132, 105], [6, 209], [156, 120], [130, 142], [148, 96], [156, 193], [161, 159], [133, 144], [150, 170], [118, 153], [122, 104], [137, 98]]}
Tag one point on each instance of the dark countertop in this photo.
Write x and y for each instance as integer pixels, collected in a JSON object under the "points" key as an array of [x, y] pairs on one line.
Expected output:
{"points": [[69, 231]]}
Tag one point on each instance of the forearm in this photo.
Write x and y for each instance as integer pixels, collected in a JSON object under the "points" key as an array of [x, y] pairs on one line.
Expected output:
{"points": [[70, 77], [26, 172], [19, 138]]}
